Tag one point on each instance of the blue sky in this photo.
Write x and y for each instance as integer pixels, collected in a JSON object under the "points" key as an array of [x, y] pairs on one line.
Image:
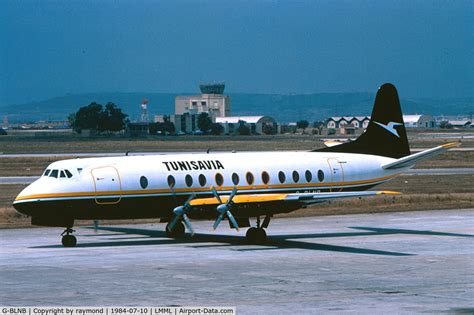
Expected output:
{"points": [[51, 48]]}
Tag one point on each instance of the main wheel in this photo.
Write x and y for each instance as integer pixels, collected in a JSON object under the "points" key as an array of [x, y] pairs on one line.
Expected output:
{"points": [[260, 236], [177, 231], [69, 241], [256, 235]]}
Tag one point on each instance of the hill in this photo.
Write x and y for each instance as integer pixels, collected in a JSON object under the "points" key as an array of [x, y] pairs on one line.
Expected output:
{"points": [[284, 108]]}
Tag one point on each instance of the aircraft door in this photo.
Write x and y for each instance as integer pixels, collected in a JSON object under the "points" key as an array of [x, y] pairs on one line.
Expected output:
{"points": [[107, 185], [337, 172]]}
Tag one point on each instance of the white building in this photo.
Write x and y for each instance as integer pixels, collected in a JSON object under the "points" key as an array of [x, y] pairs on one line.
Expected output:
{"points": [[211, 101], [419, 121], [460, 123], [255, 123], [354, 121]]}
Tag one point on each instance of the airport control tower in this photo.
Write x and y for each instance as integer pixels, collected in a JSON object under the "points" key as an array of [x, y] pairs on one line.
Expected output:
{"points": [[212, 101]]}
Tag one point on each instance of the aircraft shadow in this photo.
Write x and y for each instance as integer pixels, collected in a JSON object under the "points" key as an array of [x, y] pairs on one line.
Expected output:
{"points": [[200, 240]]}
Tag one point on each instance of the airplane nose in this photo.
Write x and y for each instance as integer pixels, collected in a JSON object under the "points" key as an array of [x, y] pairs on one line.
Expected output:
{"points": [[23, 204]]}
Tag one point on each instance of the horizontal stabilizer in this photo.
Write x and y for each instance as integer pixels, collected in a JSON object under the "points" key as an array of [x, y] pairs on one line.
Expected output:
{"points": [[410, 160]]}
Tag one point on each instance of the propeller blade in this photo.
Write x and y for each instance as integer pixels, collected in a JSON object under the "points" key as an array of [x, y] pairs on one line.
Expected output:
{"points": [[189, 199], [218, 220], [214, 192], [173, 222], [188, 224], [232, 219], [232, 195]]}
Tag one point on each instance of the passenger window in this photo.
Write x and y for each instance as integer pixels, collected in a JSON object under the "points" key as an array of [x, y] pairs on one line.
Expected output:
{"points": [[202, 180], [68, 174], [235, 178], [281, 177], [249, 177], [62, 174], [54, 173], [296, 176], [189, 180], [320, 175], [46, 173], [143, 182], [308, 176], [219, 179], [265, 177], [171, 181]]}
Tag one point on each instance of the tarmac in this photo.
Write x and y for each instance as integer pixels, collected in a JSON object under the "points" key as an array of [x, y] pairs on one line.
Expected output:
{"points": [[407, 262]]}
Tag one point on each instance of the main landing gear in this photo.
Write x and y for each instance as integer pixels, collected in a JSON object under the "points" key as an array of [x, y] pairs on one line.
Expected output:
{"points": [[257, 235], [68, 240], [177, 231]]}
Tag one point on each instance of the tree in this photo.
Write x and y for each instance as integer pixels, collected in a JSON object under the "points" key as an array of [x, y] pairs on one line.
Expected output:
{"points": [[243, 129], [269, 129], [95, 117], [168, 126], [445, 125], [165, 127], [302, 124], [112, 119], [86, 117], [204, 122], [216, 129], [319, 125]]}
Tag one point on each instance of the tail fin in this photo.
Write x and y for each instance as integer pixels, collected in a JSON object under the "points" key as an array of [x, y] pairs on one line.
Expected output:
{"points": [[385, 134]]}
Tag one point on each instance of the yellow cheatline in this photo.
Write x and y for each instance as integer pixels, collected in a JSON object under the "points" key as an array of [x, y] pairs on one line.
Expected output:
{"points": [[238, 199], [451, 145], [388, 192]]}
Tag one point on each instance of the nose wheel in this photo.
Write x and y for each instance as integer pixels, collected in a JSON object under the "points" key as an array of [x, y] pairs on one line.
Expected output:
{"points": [[68, 239]]}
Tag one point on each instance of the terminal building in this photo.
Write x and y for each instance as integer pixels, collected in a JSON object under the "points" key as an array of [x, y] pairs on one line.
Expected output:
{"points": [[212, 101]]}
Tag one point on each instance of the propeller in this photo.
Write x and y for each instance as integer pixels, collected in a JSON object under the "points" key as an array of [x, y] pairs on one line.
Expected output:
{"points": [[224, 209], [180, 212]]}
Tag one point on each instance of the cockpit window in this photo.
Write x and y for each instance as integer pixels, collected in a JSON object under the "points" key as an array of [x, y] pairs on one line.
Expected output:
{"points": [[46, 173], [62, 174], [68, 174], [54, 173]]}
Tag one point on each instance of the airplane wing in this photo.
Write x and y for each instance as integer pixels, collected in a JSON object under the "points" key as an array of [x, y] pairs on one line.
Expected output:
{"points": [[302, 198]]}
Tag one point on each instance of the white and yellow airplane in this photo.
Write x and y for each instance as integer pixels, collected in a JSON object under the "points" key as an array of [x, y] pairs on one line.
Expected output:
{"points": [[236, 186]]}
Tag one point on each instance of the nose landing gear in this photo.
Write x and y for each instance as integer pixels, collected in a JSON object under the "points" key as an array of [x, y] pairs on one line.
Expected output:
{"points": [[68, 239]]}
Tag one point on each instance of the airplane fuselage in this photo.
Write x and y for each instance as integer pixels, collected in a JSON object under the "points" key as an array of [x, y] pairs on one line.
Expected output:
{"points": [[152, 185]]}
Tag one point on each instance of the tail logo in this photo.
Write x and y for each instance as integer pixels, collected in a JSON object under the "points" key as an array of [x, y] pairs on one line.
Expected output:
{"points": [[390, 127]]}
